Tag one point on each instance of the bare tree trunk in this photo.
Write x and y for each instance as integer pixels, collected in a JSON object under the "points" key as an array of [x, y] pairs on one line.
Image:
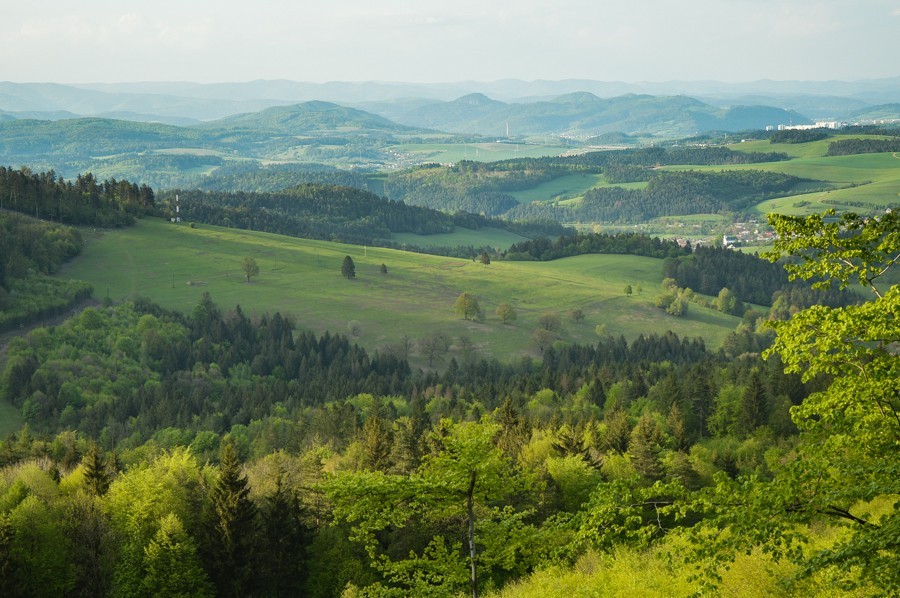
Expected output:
{"points": [[469, 501]]}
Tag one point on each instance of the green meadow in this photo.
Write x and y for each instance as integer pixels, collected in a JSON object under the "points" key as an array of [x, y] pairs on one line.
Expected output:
{"points": [[569, 189], [174, 264], [858, 182], [563, 187], [497, 238], [446, 153]]}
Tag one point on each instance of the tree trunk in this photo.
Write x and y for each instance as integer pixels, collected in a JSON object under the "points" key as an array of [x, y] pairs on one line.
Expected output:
{"points": [[469, 501]]}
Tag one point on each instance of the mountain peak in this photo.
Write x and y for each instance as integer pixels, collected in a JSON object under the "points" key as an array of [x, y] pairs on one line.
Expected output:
{"points": [[476, 99]]}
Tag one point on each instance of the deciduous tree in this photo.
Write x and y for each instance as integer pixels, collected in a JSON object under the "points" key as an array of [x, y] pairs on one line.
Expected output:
{"points": [[467, 306], [249, 267]]}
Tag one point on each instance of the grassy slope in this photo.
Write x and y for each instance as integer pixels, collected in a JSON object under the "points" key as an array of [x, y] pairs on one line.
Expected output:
{"points": [[871, 179], [302, 278], [493, 237], [482, 152]]}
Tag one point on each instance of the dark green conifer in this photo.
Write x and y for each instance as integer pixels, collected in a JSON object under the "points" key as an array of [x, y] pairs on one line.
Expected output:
{"points": [[96, 477], [234, 528]]}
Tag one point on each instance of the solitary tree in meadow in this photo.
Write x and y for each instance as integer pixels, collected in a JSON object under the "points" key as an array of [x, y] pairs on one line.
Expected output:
{"points": [[348, 268], [467, 306], [507, 313], [249, 267]]}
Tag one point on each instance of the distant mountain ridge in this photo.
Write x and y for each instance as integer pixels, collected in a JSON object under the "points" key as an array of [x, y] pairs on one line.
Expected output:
{"points": [[582, 113], [183, 102], [306, 117]]}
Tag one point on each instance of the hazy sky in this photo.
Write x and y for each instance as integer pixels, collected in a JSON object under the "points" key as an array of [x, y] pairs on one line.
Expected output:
{"points": [[449, 40]]}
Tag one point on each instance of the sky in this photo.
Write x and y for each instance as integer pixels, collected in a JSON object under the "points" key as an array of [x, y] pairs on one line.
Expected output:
{"points": [[428, 41]]}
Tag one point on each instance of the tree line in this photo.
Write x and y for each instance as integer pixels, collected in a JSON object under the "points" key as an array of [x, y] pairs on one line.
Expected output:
{"points": [[709, 269], [848, 147], [84, 201], [585, 243]]}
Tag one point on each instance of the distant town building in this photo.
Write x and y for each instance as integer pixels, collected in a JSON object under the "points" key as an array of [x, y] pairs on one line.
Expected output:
{"points": [[822, 124]]}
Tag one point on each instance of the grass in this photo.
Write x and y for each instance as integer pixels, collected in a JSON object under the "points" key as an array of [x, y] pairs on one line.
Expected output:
{"points": [[859, 182], [813, 149], [483, 152], [174, 264], [562, 187], [491, 237]]}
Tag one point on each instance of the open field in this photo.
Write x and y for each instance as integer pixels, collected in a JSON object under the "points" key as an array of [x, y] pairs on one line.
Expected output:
{"points": [[559, 188], [493, 237], [860, 182], [812, 149], [569, 189], [174, 264], [446, 153]]}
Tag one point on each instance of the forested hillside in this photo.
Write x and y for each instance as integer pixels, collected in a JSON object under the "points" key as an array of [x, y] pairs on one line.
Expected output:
{"points": [[329, 471], [82, 201], [336, 213]]}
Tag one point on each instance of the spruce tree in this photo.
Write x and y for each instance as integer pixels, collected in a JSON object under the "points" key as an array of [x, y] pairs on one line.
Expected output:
{"points": [[644, 448], [348, 268], [234, 528], [753, 409], [96, 478], [376, 443], [283, 559]]}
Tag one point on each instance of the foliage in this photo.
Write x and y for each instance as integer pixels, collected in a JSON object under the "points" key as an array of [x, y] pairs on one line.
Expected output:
{"points": [[582, 244], [507, 313], [348, 268], [465, 462], [336, 213], [37, 297], [850, 429], [708, 270], [847, 147], [799, 135], [467, 306], [249, 267], [86, 201], [669, 193]]}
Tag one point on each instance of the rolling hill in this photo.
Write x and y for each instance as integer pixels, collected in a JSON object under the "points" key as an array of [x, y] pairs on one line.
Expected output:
{"points": [[583, 113], [174, 264]]}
